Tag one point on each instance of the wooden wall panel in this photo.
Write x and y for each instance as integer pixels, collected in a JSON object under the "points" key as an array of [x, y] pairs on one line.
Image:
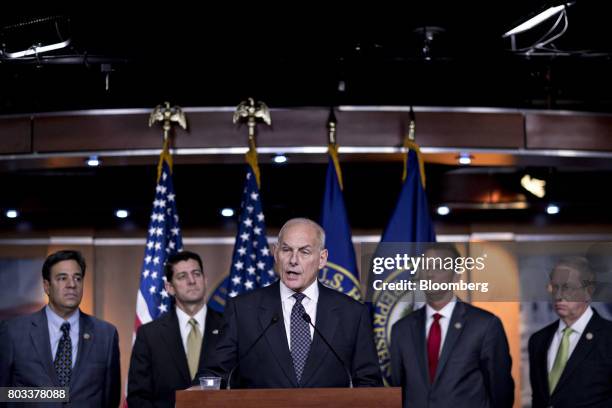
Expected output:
{"points": [[94, 132], [569, 131], [15, 136], [467, 129]]}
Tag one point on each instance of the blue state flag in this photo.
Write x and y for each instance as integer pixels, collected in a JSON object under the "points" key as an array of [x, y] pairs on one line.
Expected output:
{"points": [[410, 222], [252, 261], [341, 272]]}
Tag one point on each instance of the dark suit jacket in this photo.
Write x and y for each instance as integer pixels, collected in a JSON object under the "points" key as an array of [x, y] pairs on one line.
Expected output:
{"points": [[26, 359], [474, 369], [159, 367], [344, 322], [586, 380]]}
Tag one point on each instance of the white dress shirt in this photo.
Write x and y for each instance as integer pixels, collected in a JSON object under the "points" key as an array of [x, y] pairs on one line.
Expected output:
{"points": [[309, 303], [446, 312], [183, 320], [578, 328]]}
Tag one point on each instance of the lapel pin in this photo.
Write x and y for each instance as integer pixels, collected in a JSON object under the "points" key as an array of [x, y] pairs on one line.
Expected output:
{"points": [[457, 325], [216, 331], [86, 336], [589, 336]]}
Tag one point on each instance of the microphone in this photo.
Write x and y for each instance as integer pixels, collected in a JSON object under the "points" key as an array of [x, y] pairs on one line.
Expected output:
{"points": [[306, 317], [273, 321]]}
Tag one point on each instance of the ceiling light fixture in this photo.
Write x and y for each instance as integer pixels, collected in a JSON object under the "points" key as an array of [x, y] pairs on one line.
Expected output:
{"points": [[93, 161], [535, 20], [36, 49], [227, 212], [541, 46], [443, 210], [122, 213], [535, 186], [552, 209], [280, 158], [465, 158], [11, 213]]}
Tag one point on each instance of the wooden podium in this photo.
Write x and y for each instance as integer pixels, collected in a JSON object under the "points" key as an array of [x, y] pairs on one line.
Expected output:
{"points": [[365, 397]]}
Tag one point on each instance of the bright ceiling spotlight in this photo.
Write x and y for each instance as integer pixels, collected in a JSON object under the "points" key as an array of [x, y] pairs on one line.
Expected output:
{"points": [[280, 159], [443, 210], [122, 213], [227, 212], [552, 209]]}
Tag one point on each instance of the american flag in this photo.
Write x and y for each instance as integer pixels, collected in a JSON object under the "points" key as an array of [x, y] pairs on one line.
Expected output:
{"points": [[252, 262], [163, 239]]}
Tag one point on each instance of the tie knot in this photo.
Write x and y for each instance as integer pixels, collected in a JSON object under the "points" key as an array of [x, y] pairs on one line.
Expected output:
{"points": [[567, 331], [193, 322], [299, 297], [437, 316], [65, 328]]}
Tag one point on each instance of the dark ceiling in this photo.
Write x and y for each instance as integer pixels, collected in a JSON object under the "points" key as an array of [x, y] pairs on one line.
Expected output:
{"points": [[296, 55]]}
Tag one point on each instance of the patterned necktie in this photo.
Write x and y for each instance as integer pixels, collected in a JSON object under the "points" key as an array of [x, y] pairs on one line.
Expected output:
{"points": [[63, 357], [194, 345], [560, 360], [300, 336], [433, 346]]}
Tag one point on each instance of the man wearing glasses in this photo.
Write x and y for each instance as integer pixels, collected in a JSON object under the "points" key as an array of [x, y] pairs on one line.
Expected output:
{"points": [[570, 361]]}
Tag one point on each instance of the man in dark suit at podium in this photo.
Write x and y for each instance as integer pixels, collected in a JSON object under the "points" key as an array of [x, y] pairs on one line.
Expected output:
{"points": [[60, 346], [170, 351], [449, 354], [268, 342], [570, 361]]}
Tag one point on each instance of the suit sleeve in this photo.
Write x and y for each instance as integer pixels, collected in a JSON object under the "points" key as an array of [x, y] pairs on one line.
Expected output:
{"points": [[535, 392], [366, 372], [140, 380], [6, 356], [397, 367], [496, 365], [113, 373], [227, 347]]}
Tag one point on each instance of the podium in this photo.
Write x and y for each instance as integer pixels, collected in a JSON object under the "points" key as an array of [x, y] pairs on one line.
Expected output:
{"points": [[365, 397]]}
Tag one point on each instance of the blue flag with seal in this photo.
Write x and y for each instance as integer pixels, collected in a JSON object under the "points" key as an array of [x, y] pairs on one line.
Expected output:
{"points": [[410, 222], [341, 272], [252, 261]]}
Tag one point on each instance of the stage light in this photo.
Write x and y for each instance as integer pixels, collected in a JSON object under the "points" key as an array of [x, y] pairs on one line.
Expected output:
{"points": [[465, 159], [552, 209], [122, 213], [535, 186], [535, 20], [227, 212], [443, 210], [11, 213], [280, 159], [93, 161]]}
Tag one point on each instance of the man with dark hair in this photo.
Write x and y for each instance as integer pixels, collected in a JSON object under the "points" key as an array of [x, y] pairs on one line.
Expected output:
{"points": [[570, 361], [60, 346], [170, 351], [449, 354]]}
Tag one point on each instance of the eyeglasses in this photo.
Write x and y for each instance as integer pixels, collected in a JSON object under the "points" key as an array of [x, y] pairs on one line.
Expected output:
{"points": [[567, 289]]}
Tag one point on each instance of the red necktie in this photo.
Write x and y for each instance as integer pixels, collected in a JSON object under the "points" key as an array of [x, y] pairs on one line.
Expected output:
{"points": [[433, 346]]}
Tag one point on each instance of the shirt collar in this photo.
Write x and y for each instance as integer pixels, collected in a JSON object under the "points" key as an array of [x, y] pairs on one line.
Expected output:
{"points": [[580, 324], [311, 292], [184, 318], [57, 321], [446, 311]]}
